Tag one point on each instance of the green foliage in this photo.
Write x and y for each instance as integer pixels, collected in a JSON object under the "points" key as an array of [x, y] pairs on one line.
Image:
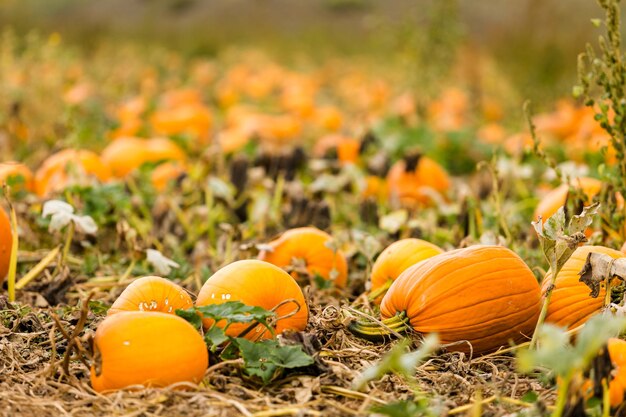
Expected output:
{"points": [[602, 77], [561, 358], [404, 409], [267, 358], [399, 361]]}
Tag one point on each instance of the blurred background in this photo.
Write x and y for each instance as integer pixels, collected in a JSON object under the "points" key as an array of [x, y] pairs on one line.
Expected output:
{"points": [[533, 44]]}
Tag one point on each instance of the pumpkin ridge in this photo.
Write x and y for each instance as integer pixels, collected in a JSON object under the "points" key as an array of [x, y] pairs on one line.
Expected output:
{"points": [[530, 290], [481, 322], [446, 294]]}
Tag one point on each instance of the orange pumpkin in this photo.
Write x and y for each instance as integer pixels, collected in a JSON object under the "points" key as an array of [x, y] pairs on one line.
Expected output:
{"points": [[152, 294], [485, 295], [67, 167], [308, 244], [397, 257], [6, 239], [556, 198], [166, 173], [570, 303], [413, 181], [347, 148], [617, 385], [193, 119], [149, 349], [125, 155], [12, 170], [256, 283]]}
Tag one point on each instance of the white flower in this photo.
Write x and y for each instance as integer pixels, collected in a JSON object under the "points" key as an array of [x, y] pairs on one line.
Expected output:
{"points": [[161, 264], [62, 213]]}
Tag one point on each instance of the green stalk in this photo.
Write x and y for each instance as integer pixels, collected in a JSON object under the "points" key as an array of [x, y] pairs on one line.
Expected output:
{"points": [[561, 398], [380, 291], [546, 301], [379, 332]]}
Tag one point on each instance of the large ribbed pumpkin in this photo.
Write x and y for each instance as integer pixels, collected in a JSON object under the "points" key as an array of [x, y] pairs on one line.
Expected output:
{"points": [[397, 257], [256, 283], [570, 304], [485, 295]]}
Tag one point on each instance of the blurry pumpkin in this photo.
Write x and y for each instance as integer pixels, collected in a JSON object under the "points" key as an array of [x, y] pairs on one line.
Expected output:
{"points": [[570, 303], [346, 148], [165, 173], [152, 294], [396, 258], [309, 246], [329, 118], [256, 283], [68, 167], [125, 155], [485, 295], [617, 384], [18, 174], [194, 119], [375, 187], [557, 198], [6, 241], [150, 349], [233, 139], [413, 180]]}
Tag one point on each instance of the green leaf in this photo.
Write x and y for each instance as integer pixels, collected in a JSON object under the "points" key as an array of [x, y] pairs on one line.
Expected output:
{"points": [[265, 359], [191, 316], [398, 361], [401, 409], [556, 353], [214, 337], [98, 307], [530, 397], [236, 312]]}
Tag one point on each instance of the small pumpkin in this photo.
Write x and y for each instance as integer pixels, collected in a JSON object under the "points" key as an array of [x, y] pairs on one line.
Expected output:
{"points": [[19, 173], [417, 180], [617, 385], [150, 349], [570, 303], [6, 240], [125, 155], [396, 258], [308, 245], [257, 283], [556, 198], [165, 173], [152, 294], [66, 167], [485, 295], [346, 148]]}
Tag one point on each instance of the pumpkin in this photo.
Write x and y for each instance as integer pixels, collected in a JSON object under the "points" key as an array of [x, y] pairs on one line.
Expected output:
{"points": [[346, 148], [416, 179], [152, 294], [6, 240], [194, 119], [256, 283], [309, 245], [124, 155], [396, 258], [165, 173], [18, 173], [570, 303], [149, 349], [617, 385], [556, 198], [485, 295], [67, 167]]}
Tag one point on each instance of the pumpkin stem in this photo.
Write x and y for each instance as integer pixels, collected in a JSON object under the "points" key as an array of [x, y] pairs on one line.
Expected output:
{"points": [[380, 291], [411, 161], [380, 331]]}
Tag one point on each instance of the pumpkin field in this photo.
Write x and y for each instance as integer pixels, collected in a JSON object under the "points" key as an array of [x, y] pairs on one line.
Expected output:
{"points": [[252, 231]]}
